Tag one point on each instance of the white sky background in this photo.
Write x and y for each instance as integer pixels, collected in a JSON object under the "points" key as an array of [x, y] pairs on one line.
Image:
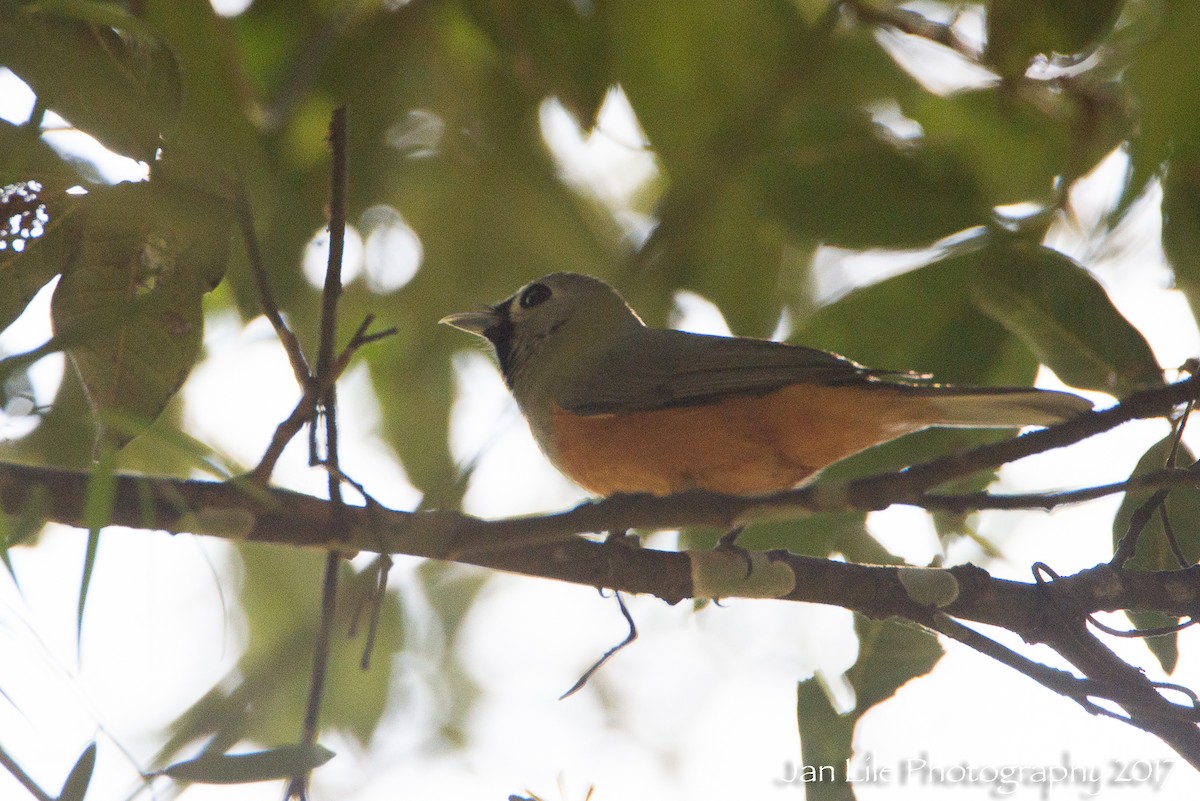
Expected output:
{"points": [[701, 707]]}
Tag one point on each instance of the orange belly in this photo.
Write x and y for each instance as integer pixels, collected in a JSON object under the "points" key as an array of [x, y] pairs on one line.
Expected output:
{"points": [[742, 445]]}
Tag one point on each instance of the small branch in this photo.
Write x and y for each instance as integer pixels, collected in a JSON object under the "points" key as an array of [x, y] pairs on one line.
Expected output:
{"points": [[23, 778], [1127, 547], [547, 546], [1059, 681], [913, 24], [978, 501], [266, 298], [298, 787], [314, 390], [332, 291], [609, 654]]}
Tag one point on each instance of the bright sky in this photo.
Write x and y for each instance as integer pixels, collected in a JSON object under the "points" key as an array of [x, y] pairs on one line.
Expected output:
{"points": [[701, 707]]}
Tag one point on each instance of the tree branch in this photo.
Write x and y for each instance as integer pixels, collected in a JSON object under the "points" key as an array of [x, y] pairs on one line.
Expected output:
{"points": [[1052, 612]]}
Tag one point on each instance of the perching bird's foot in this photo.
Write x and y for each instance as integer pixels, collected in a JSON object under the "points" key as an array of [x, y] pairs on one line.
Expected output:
{"points": [[614, 548], [728, 544]]}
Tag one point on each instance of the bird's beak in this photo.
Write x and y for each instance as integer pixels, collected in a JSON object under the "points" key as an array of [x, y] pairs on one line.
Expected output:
{"points": [[476, 322]]}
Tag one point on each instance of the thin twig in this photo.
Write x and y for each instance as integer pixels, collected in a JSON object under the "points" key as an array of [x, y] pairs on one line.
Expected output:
{"points": [[314, 390], [914, 24], [1060, 681], [328, 404], [609, 654], [383, 567], [266, 298], [978, 501], [23, 778]]}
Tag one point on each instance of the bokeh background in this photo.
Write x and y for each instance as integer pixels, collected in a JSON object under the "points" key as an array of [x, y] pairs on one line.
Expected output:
{"points": [[997, 193]]}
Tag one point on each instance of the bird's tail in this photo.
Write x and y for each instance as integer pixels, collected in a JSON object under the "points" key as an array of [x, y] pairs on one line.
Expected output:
{"points": [[989, 407]]}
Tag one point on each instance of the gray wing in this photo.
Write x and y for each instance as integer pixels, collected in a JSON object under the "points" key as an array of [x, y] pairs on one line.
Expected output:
{"points": [[653, 368]]}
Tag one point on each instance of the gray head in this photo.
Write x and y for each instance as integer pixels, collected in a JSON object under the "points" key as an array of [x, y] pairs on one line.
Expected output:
{"points": [[553, 320]]}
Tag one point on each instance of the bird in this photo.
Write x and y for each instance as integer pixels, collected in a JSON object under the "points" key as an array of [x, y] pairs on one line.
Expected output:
{"points": [[620, 407]]}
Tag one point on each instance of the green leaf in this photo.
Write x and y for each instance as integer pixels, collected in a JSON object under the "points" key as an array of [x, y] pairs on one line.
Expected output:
{"points": [[258, 766], [825, 739], [730, 253], [1154, 552], [262, 699], [1163, 82], [1064, 317], [38, 242], [816, 535], [890, 654], [129, 309], [25, 156], [21, 528], [1017, 30], [97, 512], [859, 191], [561, 45], [98, 66], [76, 785], [1181, 226], [1016, 142], [690, 76], [895, 325]]}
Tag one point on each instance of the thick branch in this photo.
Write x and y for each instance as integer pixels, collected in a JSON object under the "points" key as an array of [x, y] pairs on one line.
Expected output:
{"points": [[1051, 613], [546, 546]]}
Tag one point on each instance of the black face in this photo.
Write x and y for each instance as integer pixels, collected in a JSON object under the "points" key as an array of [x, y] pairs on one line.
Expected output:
{"points": [[534, 295], [500, 334]]}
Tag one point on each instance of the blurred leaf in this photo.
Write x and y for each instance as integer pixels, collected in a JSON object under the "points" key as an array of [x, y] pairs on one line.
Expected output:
{"points": [[98, 66], [1164, 83], [817, 535], [1065, 317], [27, 523], [7, 539], [97, 512], [556, 46], [453, 590], [692, 80], [259, 766], [825, 739], [263, 698], [76, 785], [165, 449], [862, 192], [40, 224], [732, 230], [25, 156], [129, 310], [890, 654], [1016, 142], [1181, 226], [219, 141], [1154, 551], [66, 433], [896, 325], [1017, 30]]}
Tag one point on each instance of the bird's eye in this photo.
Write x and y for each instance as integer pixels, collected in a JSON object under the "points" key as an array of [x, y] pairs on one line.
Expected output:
{"points": [[534, 294]]}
